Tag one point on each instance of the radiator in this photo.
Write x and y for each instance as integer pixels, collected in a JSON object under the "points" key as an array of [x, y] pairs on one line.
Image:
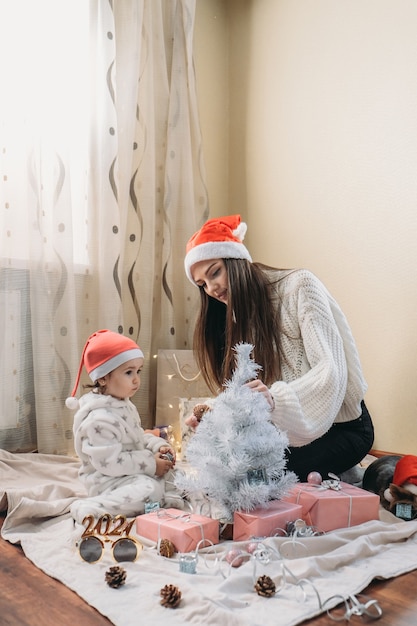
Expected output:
{"points": [[10, 329]]}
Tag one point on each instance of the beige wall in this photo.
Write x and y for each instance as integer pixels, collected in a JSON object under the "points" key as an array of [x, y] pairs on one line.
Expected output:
{"points": [[211, 54], [322, 162]]}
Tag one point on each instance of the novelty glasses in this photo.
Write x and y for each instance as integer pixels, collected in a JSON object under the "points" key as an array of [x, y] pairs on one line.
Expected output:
{"points": [[108, 530]]}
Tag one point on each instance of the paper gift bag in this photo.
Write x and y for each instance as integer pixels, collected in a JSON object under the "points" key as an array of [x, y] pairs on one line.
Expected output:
{"points": [[177, 377]]}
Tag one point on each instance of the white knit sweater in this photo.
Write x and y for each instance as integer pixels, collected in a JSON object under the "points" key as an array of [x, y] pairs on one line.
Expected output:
{"points": [[322, 380]]}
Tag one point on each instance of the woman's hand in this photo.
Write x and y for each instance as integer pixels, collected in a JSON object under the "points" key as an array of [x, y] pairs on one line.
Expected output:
{"points": [[197, 415], [260, 387], [191, 421]]}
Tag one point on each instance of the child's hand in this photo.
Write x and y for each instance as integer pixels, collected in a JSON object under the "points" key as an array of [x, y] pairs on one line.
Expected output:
{"points": [[163, 465], [168, 450]]}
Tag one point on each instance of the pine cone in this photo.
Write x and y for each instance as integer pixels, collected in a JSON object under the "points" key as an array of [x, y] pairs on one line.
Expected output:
{"points": [[265, 586], [115, 576], [171, 596], [167, 548], [199, 411]]}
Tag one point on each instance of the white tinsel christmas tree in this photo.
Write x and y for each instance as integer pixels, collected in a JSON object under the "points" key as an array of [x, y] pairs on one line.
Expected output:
{"points": [[237, 454]]}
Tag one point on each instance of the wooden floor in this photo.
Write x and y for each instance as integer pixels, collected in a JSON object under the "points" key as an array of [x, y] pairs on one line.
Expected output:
{"points": [[28, 597]]}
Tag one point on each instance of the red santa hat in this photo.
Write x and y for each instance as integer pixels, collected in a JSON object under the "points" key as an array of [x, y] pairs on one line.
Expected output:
{"points": [[103, 352], [218, 238], [405, 475], [406, 470]]}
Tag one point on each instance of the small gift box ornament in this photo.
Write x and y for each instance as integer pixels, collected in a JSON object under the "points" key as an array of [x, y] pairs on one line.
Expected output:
{"points": [[257, 476], [188, 563]]}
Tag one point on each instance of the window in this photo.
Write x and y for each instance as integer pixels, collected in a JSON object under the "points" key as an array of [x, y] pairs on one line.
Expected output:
{"points": [[44, 109]]}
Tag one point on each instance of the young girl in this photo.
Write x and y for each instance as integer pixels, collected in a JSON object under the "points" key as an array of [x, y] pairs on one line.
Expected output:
{"points": [[122, 467], [311, 374]]}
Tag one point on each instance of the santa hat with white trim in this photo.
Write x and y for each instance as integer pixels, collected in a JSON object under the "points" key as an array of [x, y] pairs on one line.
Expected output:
{"points": [[218, 238], [103, 352], [405, 475]]}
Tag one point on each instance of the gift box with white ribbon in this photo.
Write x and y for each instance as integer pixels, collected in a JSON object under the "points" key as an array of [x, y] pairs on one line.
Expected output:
{"points": [[337, 506], [187, 531], [265, 521]]}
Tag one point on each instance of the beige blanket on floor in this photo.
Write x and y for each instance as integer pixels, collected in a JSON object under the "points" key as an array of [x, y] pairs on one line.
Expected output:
{"points": [[37, 490]]}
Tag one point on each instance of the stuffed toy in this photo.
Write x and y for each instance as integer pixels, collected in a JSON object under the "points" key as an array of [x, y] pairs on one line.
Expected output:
{"points": [[394, 479], [401, 495], [379, 475]]}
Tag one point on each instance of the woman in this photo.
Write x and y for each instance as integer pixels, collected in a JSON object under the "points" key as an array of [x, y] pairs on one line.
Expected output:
{"points": [[311, 374]]}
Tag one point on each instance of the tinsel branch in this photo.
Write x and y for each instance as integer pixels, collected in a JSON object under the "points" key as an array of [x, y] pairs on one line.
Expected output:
{"points": [[237, 455]]}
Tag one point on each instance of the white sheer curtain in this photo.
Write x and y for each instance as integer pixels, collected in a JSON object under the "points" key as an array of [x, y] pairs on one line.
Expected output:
{"points": [[102, 184]]}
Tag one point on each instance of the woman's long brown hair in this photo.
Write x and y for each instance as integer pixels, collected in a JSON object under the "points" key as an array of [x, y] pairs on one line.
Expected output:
{"points": [[252, 315]]}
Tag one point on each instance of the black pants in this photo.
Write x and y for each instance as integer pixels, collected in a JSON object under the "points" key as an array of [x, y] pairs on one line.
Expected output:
{"points": [[342, 447]]}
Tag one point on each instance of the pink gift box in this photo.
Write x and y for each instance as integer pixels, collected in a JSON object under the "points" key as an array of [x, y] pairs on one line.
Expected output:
{"points": [[328, 509], [185, 530], [265, 521]]}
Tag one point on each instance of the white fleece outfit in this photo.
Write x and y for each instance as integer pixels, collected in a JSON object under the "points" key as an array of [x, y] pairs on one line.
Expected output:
{"points": [[322, 381], [117, 460]]}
